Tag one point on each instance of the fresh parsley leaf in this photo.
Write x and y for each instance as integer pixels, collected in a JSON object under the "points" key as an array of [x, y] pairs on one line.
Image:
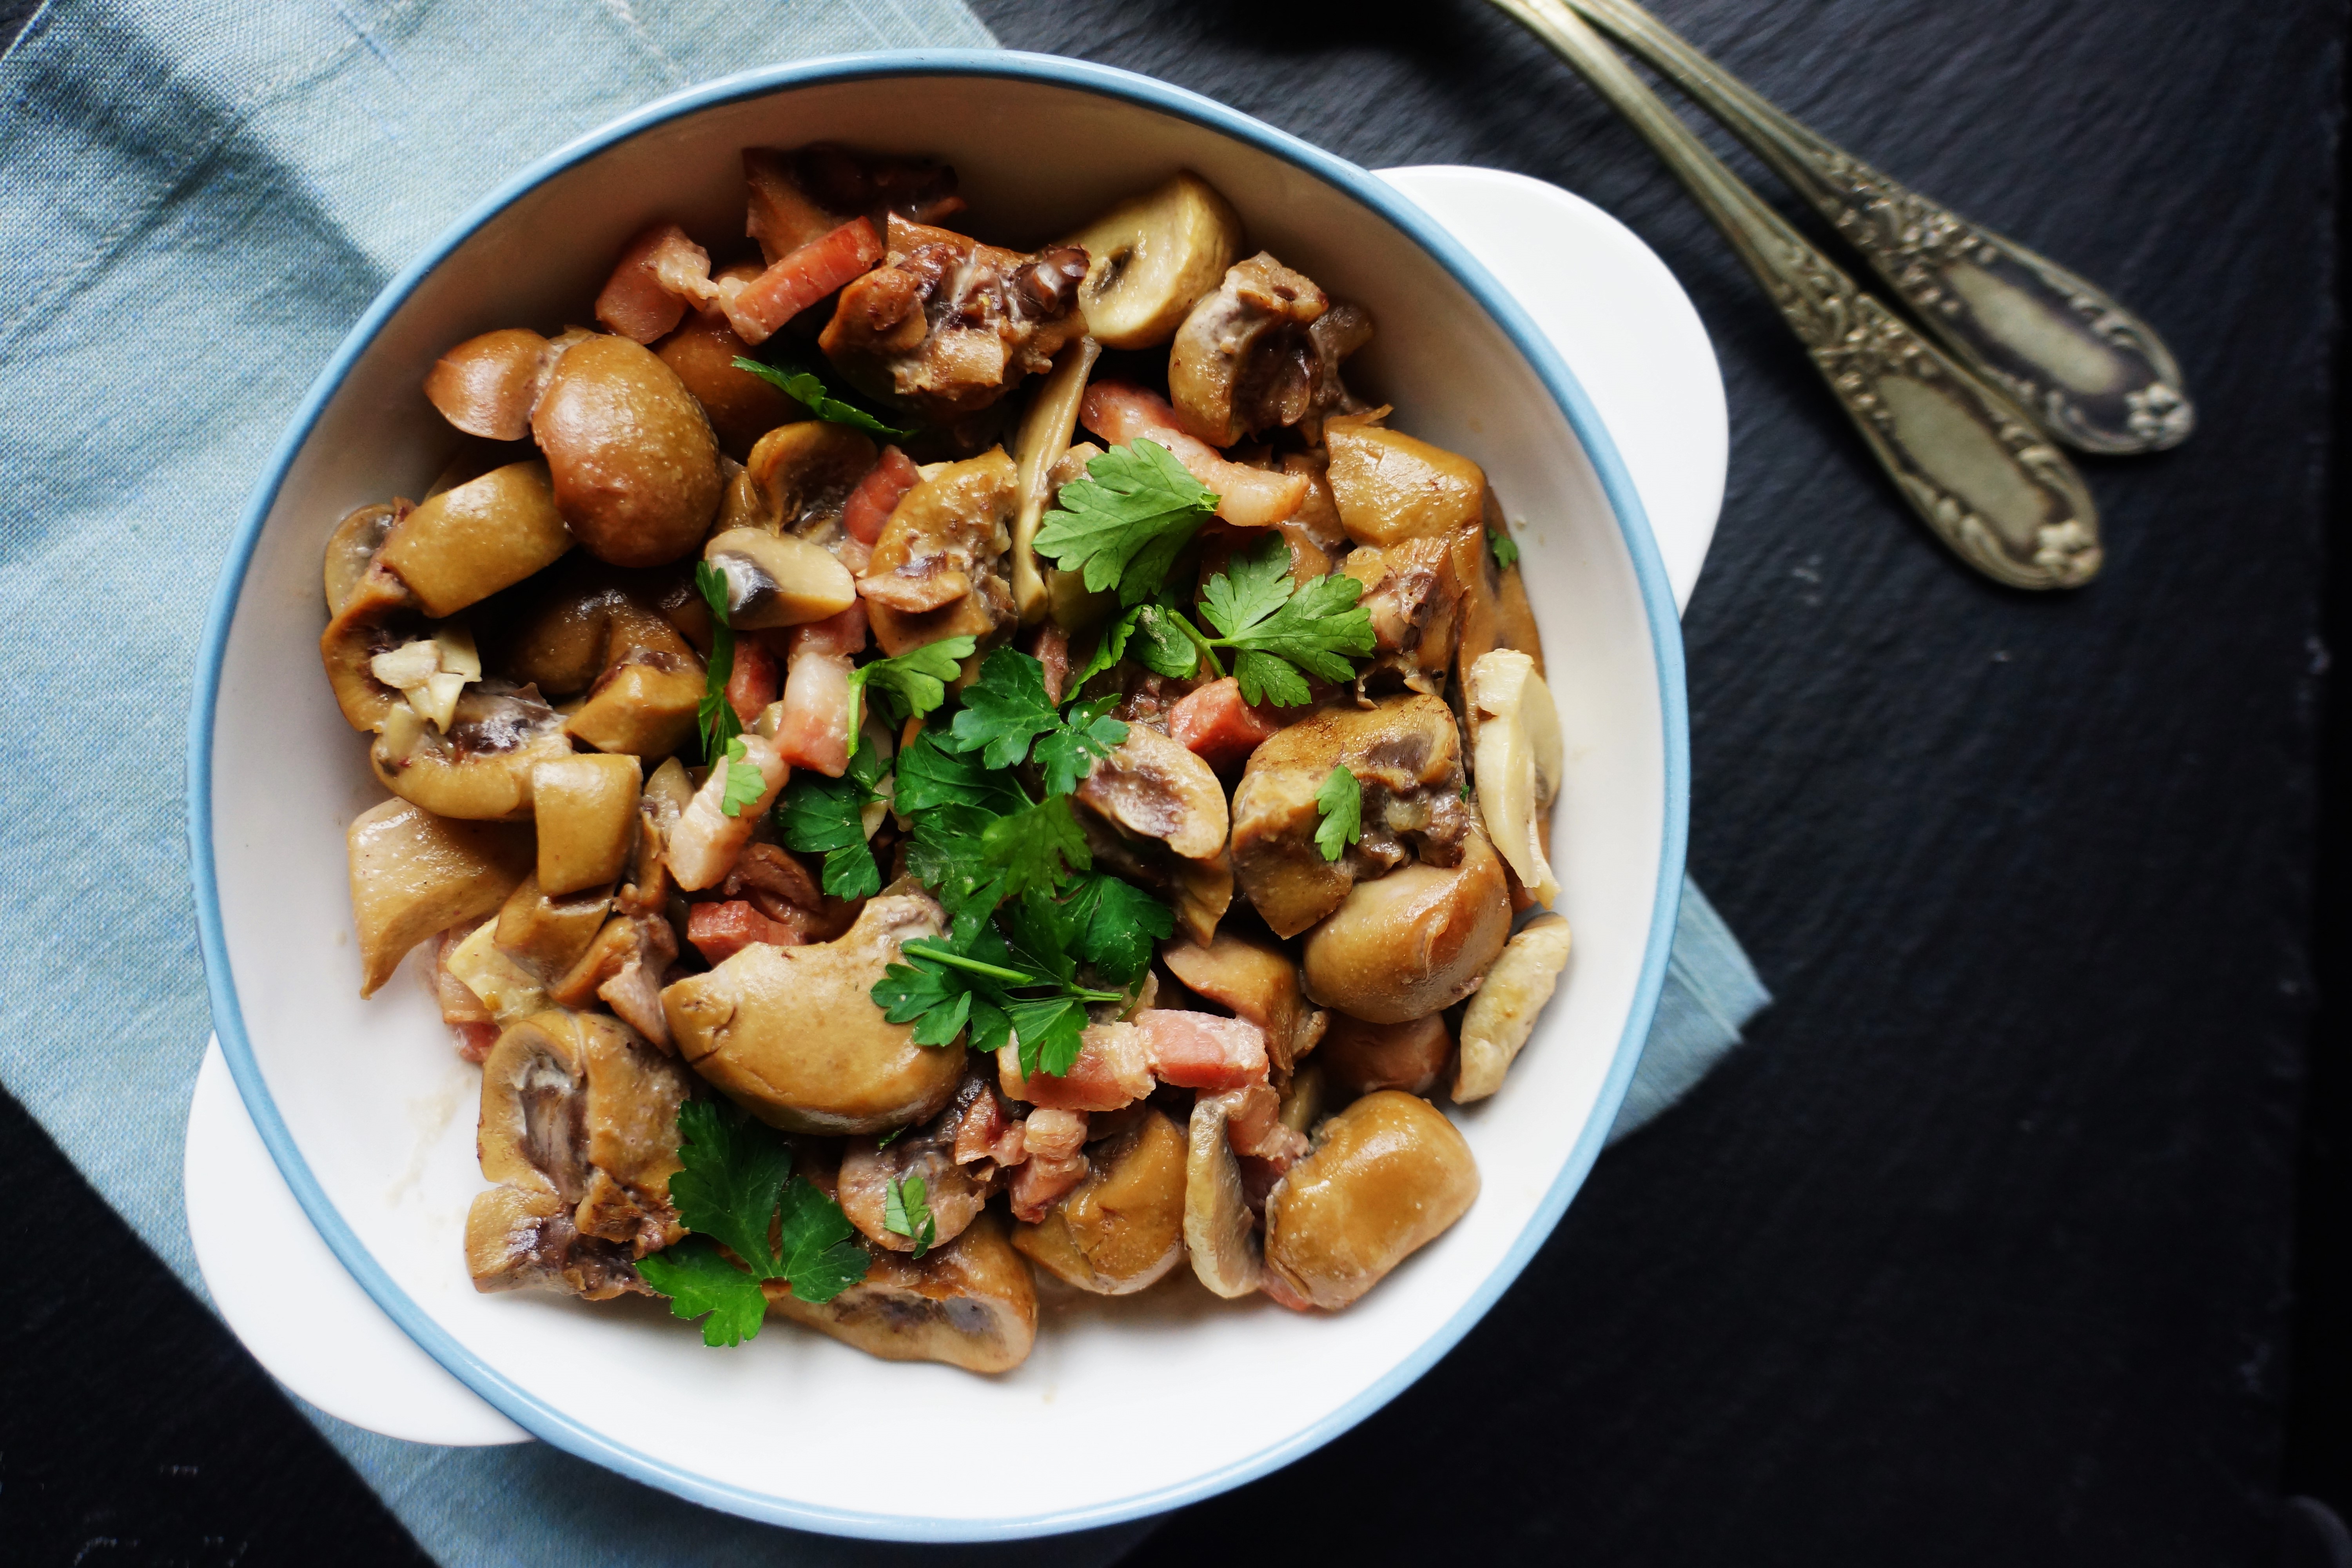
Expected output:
{"points": [[936, 1000], [909, 683], [1157, 634], [1050, 1032], [1124, 523], [745, 783], [814, 1250], [1505, 549], [1038, 847], [934, 986], [1068, 753], [808, 389], [1003, 710], [1341, 800], [698, 1280], [733, 1177], [714, 715], [818, 815], [1114, 925], [1279, 631], [931, 776], [904, 1213]]}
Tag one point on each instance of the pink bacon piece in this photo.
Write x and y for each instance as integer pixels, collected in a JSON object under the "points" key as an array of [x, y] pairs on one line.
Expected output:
{"points": [[1201, 1050], [812, 732], [1112, 1071], [653, 283], [1055, 1141], [1120, 412], [809, 273], [878, 495], [752, 684], [721, 930], [1218, 727]]}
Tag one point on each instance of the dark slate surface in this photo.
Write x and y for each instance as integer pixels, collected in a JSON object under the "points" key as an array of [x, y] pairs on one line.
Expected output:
{"points": [[1981, 1251]]}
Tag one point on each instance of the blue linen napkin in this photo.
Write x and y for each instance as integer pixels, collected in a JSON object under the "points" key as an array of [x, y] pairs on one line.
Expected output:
{"points": [[196, 199]]}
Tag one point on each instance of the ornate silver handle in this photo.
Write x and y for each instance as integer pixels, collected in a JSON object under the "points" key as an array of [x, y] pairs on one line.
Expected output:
{"points": [[1970, 462], [2095, 376]]}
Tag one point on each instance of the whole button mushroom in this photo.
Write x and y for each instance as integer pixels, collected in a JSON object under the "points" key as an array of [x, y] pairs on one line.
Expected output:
{"points": [[635, 464], [1412, 943], [1388, 1176]]}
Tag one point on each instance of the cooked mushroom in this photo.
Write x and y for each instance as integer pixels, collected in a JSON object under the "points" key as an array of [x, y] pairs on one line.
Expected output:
{"points": [[414, 874], [1044, 441], [1153, 787], [972, 1303], [1152, 257], [794, 1034], [805, 473], [633, 460], [589, 627], [1122, 1228], [465, 544], [1406, 755], [485, 385], [545, 933], [1516, 753], [1414, 941], [741, 406], [1259, 983], [1388, 1176], [622, 968], [352, 547], [1503, 1014], [1359, 1058], [952, 1193], [1495, 611], [1389, 486], [1247, 359], [1411, 595], [948, 325], [935, 570], [586, 809], [509, 990], [778, 580], [1220, 1232], [481, 768], [378, 615], [579, 1133]]}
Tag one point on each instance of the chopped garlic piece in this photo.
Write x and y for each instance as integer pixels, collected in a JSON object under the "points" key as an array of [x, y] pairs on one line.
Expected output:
{"points": [[410, 664], [454, 642], [506, 988], [437, 698]]}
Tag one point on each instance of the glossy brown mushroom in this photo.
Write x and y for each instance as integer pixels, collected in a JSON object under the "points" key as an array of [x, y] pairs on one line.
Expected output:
{"points": [[741, 406], [1411, 942], [1388, 1176], [415, 874], [480, 769], [1122, 1228], [485, 385], [463, 545], [634, 463], [1359, 1059], [972, 1304], [777, 579], [1391, 486], [935, 571]]}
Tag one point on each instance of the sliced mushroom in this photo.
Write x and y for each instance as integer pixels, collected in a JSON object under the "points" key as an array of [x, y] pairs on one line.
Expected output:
{"points": [[1259, 983], [1406, 755], [378, 615], [352, 547], [481, 768], [805, 474], [1122, 1228], [485, 385], [544, 933], [778, 580], [794, 1034], [1245, 362], [1503, 1014], [953, 1193], [1359, 1058], [972, 1304], [1044, 441], [1518, 761], [1388, 1176], [587, 808], [1152, 257], [1154, 787], [1411, 942], [1220, 1232], [579, 1133], [1389, 486], [934, 572], [622, 968], [642, 706], [634, 463], [465, 544], [509, 990], [414, 874]]}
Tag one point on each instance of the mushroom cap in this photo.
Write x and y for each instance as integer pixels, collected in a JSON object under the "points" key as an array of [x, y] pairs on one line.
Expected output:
{"points": [[634, 463], [1389, 486], [1359, 1058], [741, 406], [1151, 257], [805, 470], [1387, 1175], [480, 769], [467, 543], [1122, 1228], [1155, 787], [414, 874], [1414, 941], [778, 579], [972, 1303], [1220, 1232], [792, 1034]]}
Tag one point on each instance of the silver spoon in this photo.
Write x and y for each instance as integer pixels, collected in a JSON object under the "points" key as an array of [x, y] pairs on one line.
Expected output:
{"points": [[1970, 462], [2095, 376]]}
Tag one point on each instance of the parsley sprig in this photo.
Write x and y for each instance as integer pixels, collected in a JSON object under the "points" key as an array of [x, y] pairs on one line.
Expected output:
{"points": [[1006, 710], [818, 815], [908, 684], [1124, 523], [1505, 548], [737, 1190], [997, 986], [745, 783], [1340, 798], [807, 388], [714, 715], [906, 1213]]}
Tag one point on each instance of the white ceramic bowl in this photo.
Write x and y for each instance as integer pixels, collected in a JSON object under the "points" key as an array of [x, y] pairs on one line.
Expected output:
{"points": [[1126, 1406]]}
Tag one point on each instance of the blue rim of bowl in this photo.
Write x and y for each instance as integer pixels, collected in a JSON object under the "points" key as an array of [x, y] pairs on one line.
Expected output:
{"points": [[553, 1425]]}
